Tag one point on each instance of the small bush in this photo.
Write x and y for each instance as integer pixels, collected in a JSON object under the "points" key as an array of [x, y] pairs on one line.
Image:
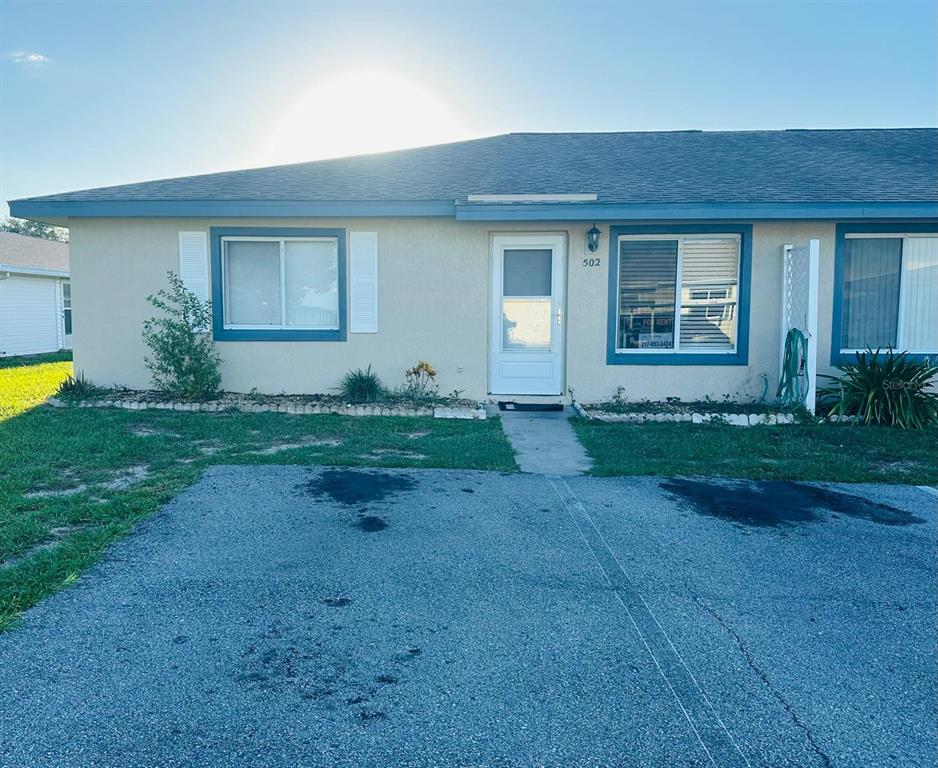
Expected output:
{"points": [[360, 386], [184, 361], [421, 379], [883, 388], [77, 388], [420, 387]]}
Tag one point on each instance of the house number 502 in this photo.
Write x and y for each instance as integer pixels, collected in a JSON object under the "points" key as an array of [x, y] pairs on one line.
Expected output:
{"points": [[592, 261]]}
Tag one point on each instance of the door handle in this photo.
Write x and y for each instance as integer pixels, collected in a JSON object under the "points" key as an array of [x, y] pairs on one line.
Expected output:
{"points": [[559, 317]]}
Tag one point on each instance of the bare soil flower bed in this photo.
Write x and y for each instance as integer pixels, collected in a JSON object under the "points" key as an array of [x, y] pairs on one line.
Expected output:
{"points": [[737, 414], [436, 406]]}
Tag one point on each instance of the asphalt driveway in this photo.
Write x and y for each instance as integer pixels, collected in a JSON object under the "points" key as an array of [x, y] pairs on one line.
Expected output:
{"points": [[284, 616]]}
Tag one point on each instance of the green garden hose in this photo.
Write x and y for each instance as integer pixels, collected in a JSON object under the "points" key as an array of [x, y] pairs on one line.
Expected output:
{"points": [[793, 384]]}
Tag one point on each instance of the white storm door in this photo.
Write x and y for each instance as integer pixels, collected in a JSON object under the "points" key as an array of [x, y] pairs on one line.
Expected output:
{"points": [[67, 313], [527, 314]]}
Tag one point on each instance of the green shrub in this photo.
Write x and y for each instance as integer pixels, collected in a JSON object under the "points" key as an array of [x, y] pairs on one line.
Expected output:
{"points": [[183, 359], [360, 386], [883, 388]]}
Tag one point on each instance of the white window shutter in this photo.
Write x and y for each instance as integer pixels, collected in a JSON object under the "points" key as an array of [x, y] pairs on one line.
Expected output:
{"points": [[193, 262], [363, 282]]}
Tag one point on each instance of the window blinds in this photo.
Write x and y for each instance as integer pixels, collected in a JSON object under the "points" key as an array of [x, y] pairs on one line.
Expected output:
{"points": [[709, 283], [699, 276], [647, 281]]}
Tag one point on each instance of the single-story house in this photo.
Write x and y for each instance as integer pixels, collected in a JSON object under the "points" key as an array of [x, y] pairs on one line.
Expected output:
{"points": [[522, 264], [35, 295]]}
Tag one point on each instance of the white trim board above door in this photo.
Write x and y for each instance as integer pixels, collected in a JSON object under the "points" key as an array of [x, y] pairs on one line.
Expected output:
{"points": [[526, 345]]}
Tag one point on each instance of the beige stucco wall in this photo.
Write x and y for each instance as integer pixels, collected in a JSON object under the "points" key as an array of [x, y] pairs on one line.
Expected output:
{"points": [[592, 379], [433, 289], [434, 293]]}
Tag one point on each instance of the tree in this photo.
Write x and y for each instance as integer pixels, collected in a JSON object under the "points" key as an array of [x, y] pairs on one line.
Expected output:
{"points": [[34, 229]]}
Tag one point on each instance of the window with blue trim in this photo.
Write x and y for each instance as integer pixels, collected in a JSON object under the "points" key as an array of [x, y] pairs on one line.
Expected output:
{"points": [[887, 285], [677, 293], [278, 284], [281, 283]]}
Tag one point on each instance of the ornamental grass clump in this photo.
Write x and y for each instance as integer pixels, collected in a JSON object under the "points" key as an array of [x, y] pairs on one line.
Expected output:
{"points": [[361, 386], [77, 388], [182, 360], [884, 388]]}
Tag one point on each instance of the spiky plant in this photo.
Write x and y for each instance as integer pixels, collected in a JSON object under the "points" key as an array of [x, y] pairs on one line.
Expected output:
{"points": [[361, 386], [884, 388]]}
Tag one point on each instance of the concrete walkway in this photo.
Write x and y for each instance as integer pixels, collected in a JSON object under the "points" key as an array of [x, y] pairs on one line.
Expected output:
{"points": [[545, 443]]}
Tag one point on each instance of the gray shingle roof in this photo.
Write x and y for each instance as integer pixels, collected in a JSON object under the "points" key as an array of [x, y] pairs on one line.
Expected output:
{"points": [[794, 166], [32, 252]]}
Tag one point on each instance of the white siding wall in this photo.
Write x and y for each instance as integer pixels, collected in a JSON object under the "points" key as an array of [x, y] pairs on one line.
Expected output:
{"points": [[29, 315]]}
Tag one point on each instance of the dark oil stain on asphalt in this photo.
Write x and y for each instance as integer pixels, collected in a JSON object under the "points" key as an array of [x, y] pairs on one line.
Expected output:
{"points": [[352, 487], [410, 653], [775, 503], [337, 602], [370, 524], [283, 659]]}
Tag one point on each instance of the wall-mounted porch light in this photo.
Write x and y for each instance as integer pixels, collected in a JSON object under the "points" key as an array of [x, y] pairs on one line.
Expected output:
{"points": [[592, 239]]}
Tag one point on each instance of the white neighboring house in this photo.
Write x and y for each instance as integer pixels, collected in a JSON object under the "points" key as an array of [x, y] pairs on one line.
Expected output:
{"points": [[35, 295]]}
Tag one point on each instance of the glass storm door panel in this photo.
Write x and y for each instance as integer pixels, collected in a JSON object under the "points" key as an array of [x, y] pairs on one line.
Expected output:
{"points": [[527, 314], [526, 299]]}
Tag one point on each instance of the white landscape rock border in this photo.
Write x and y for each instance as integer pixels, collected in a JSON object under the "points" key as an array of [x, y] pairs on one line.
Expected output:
{"points": [[734, 419], [437, 412]]}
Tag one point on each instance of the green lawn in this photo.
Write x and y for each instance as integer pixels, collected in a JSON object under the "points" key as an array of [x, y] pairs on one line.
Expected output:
{"points": [[73, 480], [27, 381], [823, 452]]}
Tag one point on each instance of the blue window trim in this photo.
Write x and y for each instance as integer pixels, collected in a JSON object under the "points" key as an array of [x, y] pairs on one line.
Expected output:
{"points": [[741, 356], [220, 333], [838, 357]]}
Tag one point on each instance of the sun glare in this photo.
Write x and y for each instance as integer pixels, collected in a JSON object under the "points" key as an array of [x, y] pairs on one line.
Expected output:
{"points": [[361, 112]]}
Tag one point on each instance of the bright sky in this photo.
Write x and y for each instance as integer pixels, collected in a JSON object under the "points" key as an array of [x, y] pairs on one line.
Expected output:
{"points": [[103, 93]]}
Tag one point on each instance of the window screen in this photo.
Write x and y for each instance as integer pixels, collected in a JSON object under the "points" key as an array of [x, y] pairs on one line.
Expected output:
{"points": [[889, 294], [697, 274], [311, 277], [709, 283], [527, 272], [647, 282], [871, 292], [252, 278], [919, 313], [286, 283]]}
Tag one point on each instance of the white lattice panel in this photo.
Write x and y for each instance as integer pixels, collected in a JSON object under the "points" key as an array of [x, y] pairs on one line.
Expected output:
{"points": [[797, 287], [800, 268]]}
